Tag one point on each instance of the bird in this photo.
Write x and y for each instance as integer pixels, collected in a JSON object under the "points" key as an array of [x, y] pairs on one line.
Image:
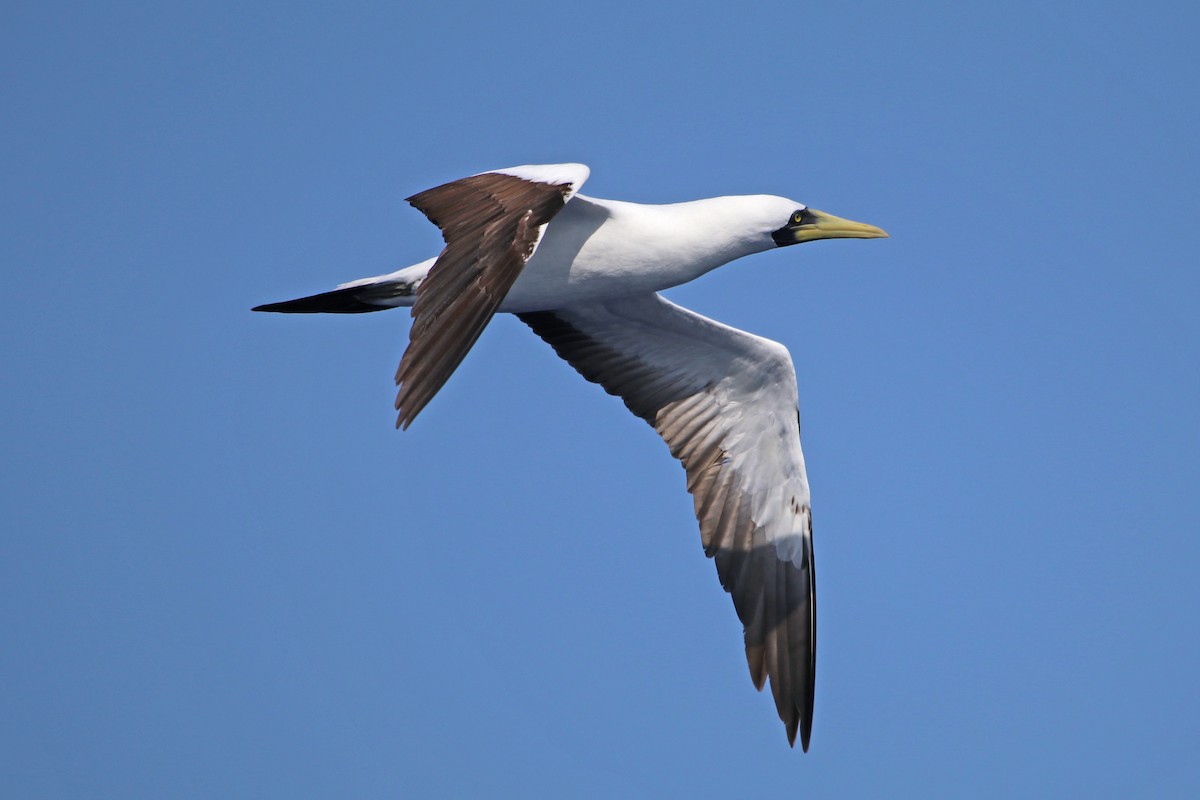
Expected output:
{"points": [[586, 275]]}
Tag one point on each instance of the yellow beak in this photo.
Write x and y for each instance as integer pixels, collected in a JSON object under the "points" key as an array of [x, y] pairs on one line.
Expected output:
{"points": [[826, 226]]}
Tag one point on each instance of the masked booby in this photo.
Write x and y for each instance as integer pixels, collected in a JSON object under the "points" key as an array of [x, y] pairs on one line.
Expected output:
{"points": [[585, 274]]}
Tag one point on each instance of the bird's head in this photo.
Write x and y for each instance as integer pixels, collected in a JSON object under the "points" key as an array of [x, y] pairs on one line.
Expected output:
{"points": [[704, 234]]}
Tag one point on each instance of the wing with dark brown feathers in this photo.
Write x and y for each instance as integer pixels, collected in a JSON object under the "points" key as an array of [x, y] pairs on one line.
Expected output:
{"points": [[492, 224], [725, 402]]}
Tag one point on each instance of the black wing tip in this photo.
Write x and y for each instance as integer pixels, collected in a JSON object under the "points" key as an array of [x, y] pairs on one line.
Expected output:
{"points": [[804, 726], [406, 411], [802, 723]]}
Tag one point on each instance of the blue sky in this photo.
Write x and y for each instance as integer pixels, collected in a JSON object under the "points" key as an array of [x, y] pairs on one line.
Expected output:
{"points": [[225, 575]]}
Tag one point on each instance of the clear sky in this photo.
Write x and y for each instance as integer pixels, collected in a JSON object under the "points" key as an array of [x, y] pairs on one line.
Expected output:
{"points": [[224, 574]]}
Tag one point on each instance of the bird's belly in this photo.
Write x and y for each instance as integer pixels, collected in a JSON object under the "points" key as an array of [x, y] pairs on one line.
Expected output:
{"points": [[539, 289], [554, 278]]}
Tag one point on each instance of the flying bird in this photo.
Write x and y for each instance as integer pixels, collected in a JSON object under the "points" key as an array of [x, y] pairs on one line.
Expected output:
{"points": [[585, 274]]}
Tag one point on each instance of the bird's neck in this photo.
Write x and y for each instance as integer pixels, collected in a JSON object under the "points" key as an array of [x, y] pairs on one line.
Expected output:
{"points": [[683, 241]]}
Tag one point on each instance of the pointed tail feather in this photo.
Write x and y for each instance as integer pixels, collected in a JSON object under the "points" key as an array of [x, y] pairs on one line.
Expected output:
{"points": [[338, 301], [394, 290]]}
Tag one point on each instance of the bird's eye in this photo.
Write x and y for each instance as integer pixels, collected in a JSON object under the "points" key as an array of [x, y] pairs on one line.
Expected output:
{"points": [[798, 218]]}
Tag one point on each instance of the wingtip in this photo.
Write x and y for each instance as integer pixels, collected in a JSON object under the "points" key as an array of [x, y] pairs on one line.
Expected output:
{"points": [[403, 416], [797, 722]]}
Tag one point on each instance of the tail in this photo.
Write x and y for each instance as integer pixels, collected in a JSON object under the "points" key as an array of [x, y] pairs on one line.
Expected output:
{"points": [[339, 301], [359, 297]]}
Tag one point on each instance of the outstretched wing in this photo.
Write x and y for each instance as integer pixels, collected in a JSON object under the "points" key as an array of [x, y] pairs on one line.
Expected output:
{"points": [[725, 402], [492, 224]]}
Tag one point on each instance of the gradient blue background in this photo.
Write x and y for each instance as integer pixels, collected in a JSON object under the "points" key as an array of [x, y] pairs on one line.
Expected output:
{"points": [[225, 575]]}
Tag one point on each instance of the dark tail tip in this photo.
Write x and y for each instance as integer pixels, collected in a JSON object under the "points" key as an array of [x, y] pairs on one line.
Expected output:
{"points": [[339, 301]]}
